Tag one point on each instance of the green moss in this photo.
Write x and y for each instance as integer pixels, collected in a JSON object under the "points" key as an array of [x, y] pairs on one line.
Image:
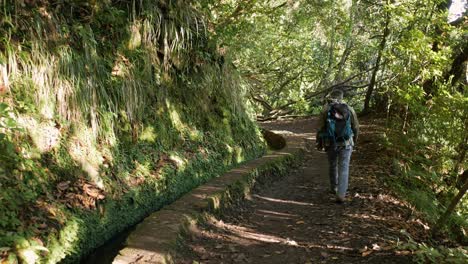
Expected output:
{"points": [[139, 124]]}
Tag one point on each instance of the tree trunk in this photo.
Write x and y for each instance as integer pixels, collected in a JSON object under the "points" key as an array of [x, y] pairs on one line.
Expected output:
{"points": [[453, 204], [372, 82]]}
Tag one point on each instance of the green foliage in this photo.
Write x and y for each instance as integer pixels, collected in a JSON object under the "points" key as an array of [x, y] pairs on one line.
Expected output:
{"points": [[292, 52], [111, 112], [426, 253]]}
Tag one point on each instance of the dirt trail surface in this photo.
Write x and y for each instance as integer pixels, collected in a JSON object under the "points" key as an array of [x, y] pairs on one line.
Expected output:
{"points": [[296, 220]]}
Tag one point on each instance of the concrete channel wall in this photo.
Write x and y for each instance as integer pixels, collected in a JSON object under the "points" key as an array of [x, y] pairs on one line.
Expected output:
{"points": [[157, 238]]}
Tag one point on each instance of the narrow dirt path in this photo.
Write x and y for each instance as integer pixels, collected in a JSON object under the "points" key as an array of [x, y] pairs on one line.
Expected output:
{"points": [[296, 220]]}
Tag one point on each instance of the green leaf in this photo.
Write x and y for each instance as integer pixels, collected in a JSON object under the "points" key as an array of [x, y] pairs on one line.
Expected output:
{"points": [[3, 107], [10, 123]]}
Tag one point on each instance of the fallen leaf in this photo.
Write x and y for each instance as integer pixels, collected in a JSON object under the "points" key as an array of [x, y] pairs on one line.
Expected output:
{"points": [[93, 191], [366, 253], [266, 256], [335, 258], [63, 185], [300, 222], [291, 242], [387, 247], [403, 253], [363, 249], [279, 252]]}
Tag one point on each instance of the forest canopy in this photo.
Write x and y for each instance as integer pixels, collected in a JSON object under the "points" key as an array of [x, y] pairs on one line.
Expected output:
{"points": [[405, 61]]}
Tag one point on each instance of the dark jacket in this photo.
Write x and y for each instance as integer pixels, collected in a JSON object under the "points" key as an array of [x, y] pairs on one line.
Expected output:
{"points": [[354, 125]]}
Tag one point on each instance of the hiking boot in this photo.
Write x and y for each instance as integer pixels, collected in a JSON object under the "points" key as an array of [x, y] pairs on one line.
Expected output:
{"points": [[340, 200]]}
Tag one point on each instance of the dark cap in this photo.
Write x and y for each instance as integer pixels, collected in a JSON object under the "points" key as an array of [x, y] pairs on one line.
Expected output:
{"points": [[336, 94]]}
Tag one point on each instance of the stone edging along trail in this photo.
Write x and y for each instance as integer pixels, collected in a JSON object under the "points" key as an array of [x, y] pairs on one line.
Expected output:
{"points": [[156, 239]]}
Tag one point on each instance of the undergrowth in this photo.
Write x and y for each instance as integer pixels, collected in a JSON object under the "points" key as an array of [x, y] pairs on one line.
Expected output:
{"points": [[419, 176]]}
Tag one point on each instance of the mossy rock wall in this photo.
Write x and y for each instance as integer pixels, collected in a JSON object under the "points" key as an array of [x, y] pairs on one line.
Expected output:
{"points": [[108, 111]]}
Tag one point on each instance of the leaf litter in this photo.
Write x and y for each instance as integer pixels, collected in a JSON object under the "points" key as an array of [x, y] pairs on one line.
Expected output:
{"points": [[365, 229]]}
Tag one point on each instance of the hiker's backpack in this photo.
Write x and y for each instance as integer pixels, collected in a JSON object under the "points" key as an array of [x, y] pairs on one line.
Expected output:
{"points": [[338, 124]]}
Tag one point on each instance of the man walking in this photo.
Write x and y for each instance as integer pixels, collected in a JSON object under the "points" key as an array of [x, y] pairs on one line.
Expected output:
{"points": [[338, 132]]}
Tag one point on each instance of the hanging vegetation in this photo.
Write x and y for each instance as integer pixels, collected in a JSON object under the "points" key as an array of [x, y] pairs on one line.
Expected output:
{"points": [[97, 127]]}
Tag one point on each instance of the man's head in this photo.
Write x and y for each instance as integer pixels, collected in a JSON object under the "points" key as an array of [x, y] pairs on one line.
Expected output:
{"points": [[335, 95]]}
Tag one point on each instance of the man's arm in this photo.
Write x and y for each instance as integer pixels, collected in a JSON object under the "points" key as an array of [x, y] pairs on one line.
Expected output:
{"points": [[322, 118], [320, 127], [354, 124]]}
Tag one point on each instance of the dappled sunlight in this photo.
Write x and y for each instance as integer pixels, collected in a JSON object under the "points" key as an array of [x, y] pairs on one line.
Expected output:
{"points": [[367, 216], [82, 149], [327, 246], [277, 213], [240, 170], [45, 135], [109, 96], [241, 235], [283, 132], [179, 162], [282, 201], [175, 117], [135, 38], [258, 236], [148, 134]]}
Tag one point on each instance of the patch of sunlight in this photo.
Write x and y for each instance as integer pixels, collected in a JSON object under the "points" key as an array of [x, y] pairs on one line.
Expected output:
{"points": [[45, 135], [148, 134], [175, 117], [142, 170], [120, 68], [282, 132], [259, 237], [239, 152], [180, 162], [229, 148], [135, 36], [341, 248], [195, 135], [367, 216], [4, 79], [47, 109], [251, 234], [277, 213], [63, 91], [82, 149], [43, 77], [281, 201]]}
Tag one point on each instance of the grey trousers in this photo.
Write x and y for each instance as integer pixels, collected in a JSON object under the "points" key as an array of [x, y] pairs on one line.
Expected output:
{"points": [[338, 161]]}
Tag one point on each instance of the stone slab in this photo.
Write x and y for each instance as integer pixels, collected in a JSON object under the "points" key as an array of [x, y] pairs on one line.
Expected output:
{"points": [[155, 239]]}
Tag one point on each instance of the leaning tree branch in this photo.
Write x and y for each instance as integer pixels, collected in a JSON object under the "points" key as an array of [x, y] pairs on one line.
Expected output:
{"points": [[262, 101]]}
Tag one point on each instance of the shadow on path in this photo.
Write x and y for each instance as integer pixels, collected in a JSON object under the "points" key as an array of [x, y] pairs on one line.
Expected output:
{"points": [[296, 220]]}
